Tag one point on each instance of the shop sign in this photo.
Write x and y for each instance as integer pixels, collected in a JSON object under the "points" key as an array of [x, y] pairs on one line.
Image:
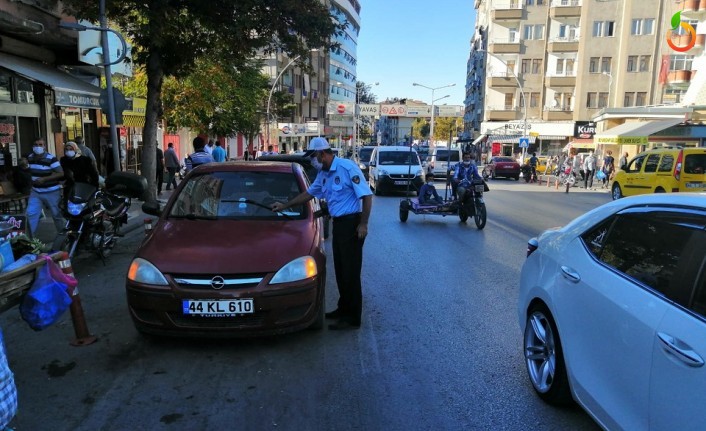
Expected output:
{"points": [[584, 129], [79, 100], [310, 128], [624, 140], [7, 130]]}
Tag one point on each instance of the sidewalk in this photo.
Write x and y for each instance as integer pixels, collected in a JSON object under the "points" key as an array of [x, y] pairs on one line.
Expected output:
{"points": [[46, 232]]}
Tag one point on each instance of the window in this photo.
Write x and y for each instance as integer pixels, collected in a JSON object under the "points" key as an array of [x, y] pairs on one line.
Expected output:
{"points": [[570, 66], [642, 26], [602, 100], [539, 32], [680, 62], [560, 66], [537, 66], [5, 87], [653, 248], [593, 64], [591, 100], [535, 32], [513, 34], [652, 163], [641, 98], [540, 2], [628, 100], [680, 30], [603, 28], [605, 64], [666, 164], [529, 2], [534, 100], [632, 63], [526, 62], [509, 101], [645, 63]]}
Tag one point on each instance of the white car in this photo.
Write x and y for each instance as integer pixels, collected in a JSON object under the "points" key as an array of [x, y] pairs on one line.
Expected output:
{"points": [[613, 311]]}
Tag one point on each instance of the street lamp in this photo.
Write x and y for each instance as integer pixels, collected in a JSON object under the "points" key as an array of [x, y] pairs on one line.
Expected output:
{"points": [[524, 100], [272, 90], [431, 130], [356, 114], [108, 74]]}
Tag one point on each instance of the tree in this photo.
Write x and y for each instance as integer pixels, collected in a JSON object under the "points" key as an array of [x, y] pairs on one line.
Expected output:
{"points": [[421, 128], [365, 96], [169, 36], [447, 126]]}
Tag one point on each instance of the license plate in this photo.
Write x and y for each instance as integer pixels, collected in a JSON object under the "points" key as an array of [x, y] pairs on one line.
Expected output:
{"points": [[694, 185], [480, 189], [217, 308], [400, 183]]}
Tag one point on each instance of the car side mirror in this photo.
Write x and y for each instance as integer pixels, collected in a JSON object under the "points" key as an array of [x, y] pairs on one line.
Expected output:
{"points": [[152, 208]]}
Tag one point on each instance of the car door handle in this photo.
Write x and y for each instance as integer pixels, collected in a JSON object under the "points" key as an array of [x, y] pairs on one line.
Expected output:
{"points": [[570, 274], [680, 350]]}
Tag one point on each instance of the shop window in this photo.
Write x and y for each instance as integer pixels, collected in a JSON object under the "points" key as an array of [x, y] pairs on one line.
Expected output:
{"points": [[5, 87], [25, 91]]}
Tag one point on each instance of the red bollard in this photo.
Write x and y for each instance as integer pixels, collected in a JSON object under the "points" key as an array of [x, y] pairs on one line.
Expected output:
{"points": [[148, 226], [83, 336]]}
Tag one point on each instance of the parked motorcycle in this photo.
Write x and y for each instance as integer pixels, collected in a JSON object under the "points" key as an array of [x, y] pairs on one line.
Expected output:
{"points": [[473, 204], [567, 177]]}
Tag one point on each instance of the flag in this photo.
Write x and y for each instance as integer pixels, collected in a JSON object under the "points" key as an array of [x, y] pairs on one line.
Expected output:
{"points": [[664, 69]]}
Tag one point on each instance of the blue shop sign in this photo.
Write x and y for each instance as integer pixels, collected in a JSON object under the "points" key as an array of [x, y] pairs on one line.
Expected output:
{"points": [[78, 100]]}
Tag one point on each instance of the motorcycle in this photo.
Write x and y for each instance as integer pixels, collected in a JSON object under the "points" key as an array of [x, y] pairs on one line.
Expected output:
{"points": [[473, 204], [527, 174], [567, 177], [93, 219]]}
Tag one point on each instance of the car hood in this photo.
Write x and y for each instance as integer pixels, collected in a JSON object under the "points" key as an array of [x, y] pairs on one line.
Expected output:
{"points": [[227, 246]]}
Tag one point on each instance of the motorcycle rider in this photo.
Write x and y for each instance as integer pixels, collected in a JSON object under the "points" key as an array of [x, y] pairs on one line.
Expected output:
{"points": [[77, 169], [464, 174]]}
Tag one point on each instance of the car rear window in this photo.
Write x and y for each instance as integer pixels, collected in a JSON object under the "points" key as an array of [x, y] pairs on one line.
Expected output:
{"points": [[695, 164], [398, 158], [504, 159], [237, 195], [443, 155]]}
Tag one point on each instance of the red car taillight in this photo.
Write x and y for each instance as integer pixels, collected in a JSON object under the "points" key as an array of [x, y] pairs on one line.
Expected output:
{"points": [[677, 165], [532, 245]]}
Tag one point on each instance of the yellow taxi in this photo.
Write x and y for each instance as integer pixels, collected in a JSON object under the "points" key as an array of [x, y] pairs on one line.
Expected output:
{"points": [[662, 170], [541, 163]]}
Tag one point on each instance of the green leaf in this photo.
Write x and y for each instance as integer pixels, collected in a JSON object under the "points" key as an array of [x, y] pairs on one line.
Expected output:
{"points": [[676, 20]]}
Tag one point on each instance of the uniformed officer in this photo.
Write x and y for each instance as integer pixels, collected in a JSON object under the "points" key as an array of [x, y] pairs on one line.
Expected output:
{"points": [[342, 184]]}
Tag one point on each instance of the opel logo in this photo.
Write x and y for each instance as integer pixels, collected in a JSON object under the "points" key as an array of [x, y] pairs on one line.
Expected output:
{"points": [[218, 282]]}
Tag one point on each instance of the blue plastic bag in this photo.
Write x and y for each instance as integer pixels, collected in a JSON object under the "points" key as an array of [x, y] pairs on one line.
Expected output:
{"points": [[600, 175], [45, 301]]}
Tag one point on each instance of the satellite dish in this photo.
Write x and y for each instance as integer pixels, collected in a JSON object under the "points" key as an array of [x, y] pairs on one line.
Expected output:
{"points": [[555, 103]]}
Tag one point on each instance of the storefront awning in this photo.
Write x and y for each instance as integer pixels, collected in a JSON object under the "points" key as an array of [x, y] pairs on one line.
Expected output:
{"points": [[508, 139], [634, 133], [55, 78]]}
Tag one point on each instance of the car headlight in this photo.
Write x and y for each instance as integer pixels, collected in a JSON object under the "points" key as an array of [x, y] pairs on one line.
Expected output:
{"points": [[75, 209], [361, 166], [142, 271], [300, 268], [384, 172]]}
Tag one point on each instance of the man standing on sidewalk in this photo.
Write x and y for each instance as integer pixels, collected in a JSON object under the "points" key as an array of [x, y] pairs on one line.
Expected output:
{"points": [[46, 186], [219, 154], [159, 168], [171, 161]]}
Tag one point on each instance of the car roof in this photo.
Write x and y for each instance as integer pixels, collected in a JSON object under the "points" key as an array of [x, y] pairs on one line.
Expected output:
{"points": [[394, 148], [246, 166]]}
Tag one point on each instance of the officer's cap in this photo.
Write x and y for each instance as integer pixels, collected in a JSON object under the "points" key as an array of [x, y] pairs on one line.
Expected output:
{"points": [[317, 144]]}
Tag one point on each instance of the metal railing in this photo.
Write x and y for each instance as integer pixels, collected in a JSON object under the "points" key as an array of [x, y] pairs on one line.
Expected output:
{"points": [[565, 3], [506, 40], [502, 108], [517, 4], [564, 39]]}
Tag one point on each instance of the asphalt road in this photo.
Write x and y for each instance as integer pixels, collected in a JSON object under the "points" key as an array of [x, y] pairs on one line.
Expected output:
{"points": [[439, 349]]}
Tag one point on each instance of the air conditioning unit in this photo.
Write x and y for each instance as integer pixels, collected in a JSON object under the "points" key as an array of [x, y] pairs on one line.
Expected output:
{"points": [[25, 97]]}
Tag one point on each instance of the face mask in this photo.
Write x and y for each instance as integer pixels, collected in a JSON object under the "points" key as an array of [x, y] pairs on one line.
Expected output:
{"points": [[466, 163], [38, 150], [431, 183], [70, 154], [316, 164]]}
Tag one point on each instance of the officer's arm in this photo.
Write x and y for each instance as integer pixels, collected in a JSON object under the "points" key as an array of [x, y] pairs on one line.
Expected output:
{"points": [[367, 206], [300, 199]]}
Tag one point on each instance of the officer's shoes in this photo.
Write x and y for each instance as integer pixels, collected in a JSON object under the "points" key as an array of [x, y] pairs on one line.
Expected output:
{"points": [[335, 314], [343, 325]]}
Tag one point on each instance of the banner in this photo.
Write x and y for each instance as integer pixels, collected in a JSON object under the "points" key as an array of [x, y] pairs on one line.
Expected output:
{"points": [[584, 129], [311, 128], [664, 69], [339, 108], [393, 110], [369, 110]]}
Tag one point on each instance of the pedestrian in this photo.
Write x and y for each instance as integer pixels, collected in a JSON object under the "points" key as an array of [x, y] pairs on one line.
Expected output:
{"points": [[46, 186], [159, 168], [219, 154], [83, 148], [246, 155], [623, 161], [5, 162], [171, 161], [589, 168], [341, 182], [200, 156], [209, 147], [608, 168], [77, 169], [533, 161]]}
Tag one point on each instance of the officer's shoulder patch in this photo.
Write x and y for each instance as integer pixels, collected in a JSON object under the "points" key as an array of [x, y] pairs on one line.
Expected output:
{"points": [[356, 179]]}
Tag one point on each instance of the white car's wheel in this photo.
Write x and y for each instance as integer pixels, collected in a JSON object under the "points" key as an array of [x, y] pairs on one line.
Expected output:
{"points": [[544, 357]]}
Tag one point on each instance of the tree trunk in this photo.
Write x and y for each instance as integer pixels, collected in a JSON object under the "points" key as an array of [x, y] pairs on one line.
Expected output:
{"points": [[155, 77]]}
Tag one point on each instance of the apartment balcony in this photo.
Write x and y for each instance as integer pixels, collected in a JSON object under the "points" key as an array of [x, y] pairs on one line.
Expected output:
{"points": [[679, 76], [502, 113], [505, 46], [700, 40], [560, 81], [508, 11], [503, 80], [563, 44], [558, 114], [559, 9]]}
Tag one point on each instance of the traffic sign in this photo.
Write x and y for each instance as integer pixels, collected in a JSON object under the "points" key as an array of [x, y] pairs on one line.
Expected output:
{"points": [[524, 142]]}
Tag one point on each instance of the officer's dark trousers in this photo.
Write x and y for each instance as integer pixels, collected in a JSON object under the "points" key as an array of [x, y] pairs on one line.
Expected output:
{"points": [[347, 261]]}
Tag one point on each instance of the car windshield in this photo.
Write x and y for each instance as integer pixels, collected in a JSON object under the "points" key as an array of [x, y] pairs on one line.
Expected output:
{"points": [[504, 160], [364, 154], [443, 155], [399, 158], [237, 195]]}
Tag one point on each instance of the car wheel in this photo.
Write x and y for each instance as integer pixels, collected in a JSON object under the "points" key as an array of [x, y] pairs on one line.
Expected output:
{"points": [[616, 193], [492, 174], [544, 357], [517, 177], [660, 190]]}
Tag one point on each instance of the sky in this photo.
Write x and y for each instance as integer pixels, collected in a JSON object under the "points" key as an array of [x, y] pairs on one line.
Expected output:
{"points": [[406, 41]]}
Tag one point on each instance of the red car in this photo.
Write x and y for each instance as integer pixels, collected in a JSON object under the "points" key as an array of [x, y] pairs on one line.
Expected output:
{"points": [[502, 167], [219, 262]]}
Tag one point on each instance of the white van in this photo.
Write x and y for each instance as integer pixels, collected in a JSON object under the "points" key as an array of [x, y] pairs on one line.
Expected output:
{"points": [[395, 168], [443, 160]]}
